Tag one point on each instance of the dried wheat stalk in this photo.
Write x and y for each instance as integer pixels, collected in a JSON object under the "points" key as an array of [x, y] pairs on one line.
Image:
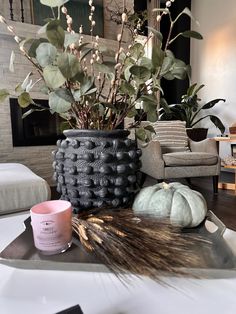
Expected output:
{"points": [[138, 245]]}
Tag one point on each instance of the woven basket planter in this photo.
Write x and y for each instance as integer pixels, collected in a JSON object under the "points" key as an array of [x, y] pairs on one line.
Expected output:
{"points": [[95, 169]]}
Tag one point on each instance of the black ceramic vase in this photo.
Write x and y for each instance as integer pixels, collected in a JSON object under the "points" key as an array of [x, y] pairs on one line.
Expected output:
{"points": [[95, 169]]}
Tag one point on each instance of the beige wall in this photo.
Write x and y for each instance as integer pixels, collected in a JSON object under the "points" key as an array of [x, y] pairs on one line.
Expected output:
{"points": [[213, 60]]}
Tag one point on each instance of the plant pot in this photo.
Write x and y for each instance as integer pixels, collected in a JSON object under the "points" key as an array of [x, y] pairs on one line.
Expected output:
{"points": [[95, 169], [197, 134]]}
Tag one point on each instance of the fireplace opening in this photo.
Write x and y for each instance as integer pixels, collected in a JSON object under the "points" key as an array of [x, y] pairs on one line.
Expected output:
{"points": [[37, 129]]}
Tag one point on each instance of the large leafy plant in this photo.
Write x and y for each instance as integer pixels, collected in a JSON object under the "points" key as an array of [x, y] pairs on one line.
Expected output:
{"points": [[87, 83], [190, 109]]}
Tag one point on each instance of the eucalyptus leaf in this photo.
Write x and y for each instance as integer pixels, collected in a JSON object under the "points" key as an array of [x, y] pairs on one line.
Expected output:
{"points": [[150, 128], [18, 88], [146, 62], [45, 90], [12, 60], [27, 113], [166, 65], [91, 91], [148, 99], [85, 53], [46, 54], [104, 67], [179, 69], [25, 100], [140, 72], [127, 73], [169, 76], [70, 39], [34, 45], [189, 13], [132, 112], [157, 56], [3, 94], [68, 64], [43, 29], [86, 85], [191, 34], [106, 51], [100, 107], [53, 3], [127, 88], [55, 33], [137, 51], [65, 94], [26, 81], [156, 33], [152, 116], [58, 104], [141, 134], [53, 76], [79, 77]]}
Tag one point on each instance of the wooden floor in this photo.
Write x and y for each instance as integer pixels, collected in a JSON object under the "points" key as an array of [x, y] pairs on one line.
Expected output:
{"points": [[223, 204]]}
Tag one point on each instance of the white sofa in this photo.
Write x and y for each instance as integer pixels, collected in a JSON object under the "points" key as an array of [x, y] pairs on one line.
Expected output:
{"points": [[20, 188]]}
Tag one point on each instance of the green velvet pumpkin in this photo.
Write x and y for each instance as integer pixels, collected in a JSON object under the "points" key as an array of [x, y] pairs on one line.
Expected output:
{"points": [[182, 205]]}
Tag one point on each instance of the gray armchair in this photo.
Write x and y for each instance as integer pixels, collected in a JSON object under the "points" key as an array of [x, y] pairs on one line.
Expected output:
{"points": [[202, 159]]}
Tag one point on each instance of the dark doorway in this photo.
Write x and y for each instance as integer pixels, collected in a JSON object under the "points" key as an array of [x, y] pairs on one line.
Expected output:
{"points": [[37, 129]]}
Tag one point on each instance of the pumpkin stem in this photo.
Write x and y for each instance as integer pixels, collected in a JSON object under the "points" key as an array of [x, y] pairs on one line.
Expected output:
{"points": [[165, 186]]}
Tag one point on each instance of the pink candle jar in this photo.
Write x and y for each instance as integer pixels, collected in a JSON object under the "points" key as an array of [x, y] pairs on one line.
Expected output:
{"points": [[52, 228]]}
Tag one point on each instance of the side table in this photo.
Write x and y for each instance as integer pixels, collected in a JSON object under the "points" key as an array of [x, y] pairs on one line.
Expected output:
{"points": [[226, 185]]}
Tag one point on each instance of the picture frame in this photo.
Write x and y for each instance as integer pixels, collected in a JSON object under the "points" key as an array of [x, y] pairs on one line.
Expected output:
{"points": [[233, 150]]}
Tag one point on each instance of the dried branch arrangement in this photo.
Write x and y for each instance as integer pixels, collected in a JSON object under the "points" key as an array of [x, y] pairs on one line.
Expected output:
{"points": [[137, 245]]}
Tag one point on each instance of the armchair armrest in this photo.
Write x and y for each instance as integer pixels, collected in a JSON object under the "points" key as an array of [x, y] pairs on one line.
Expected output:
{"points": [[152, 161], [206, 146]]}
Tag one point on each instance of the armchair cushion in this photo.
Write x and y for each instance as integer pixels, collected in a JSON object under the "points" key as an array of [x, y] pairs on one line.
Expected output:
{"points": [[171, 135], [189, 159]]}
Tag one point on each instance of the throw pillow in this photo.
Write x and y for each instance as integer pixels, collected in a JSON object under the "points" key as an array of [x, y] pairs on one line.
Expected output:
{"points": [[171, 135]]}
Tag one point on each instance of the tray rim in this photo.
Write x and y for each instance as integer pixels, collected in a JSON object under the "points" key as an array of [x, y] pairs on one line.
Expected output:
{"points": [[211, 273]]}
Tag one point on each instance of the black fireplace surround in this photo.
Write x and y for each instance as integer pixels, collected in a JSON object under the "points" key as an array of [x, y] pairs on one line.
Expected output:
{"points": [[37, 129]]}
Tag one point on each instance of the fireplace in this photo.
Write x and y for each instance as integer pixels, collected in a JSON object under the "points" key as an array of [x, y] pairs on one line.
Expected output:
{"points": [[37, 129]]}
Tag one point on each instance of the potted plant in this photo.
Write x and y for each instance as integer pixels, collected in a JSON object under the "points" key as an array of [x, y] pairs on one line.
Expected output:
{"points": [[190, 110], [94, 89]]}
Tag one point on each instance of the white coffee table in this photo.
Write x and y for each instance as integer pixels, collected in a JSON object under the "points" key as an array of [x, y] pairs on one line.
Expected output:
{"points": [[25, 291]]}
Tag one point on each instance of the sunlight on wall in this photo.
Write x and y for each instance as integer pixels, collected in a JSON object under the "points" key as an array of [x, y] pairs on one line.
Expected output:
{"points": [[213, 60]]}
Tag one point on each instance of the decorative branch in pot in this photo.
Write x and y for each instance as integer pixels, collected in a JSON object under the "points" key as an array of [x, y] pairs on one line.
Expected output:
{"points": [[94, 89], [190, 110]]}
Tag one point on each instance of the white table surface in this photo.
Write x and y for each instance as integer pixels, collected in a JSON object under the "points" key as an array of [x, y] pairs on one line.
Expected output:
{"points": [[47, 292]]}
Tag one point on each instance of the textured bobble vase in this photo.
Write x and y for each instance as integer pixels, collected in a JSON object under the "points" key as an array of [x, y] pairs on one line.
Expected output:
{"points": [[96, 169]]}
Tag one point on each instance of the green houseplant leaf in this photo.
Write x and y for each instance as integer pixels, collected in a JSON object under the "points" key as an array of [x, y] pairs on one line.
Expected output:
{"points": [[212, 103]]}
